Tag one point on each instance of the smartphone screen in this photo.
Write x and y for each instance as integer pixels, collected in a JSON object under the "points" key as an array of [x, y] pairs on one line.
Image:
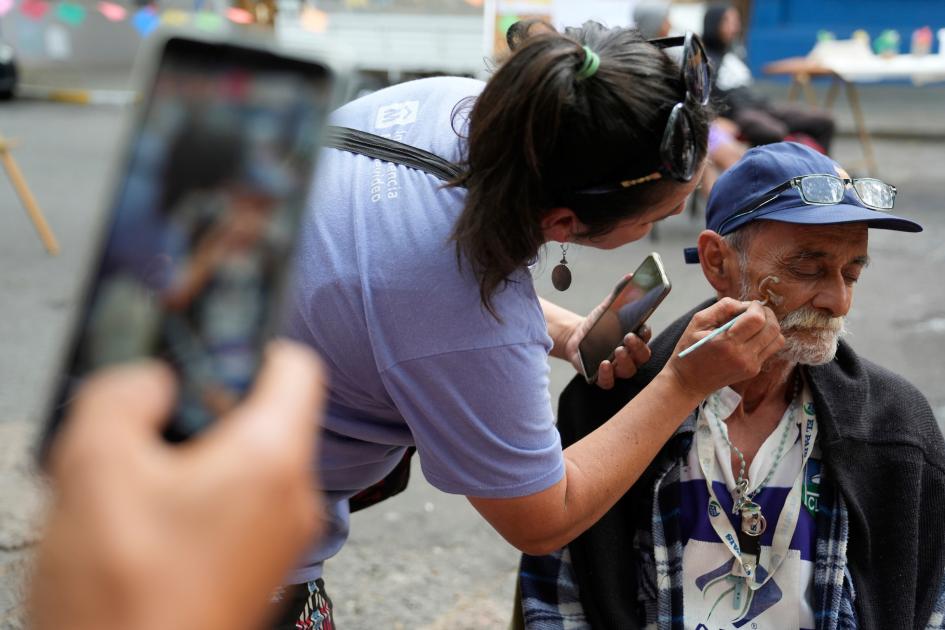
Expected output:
{"points": [[201, 224], [631, 304]]}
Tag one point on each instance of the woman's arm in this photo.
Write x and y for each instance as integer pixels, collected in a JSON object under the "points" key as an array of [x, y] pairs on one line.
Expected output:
{"points": [[602, 466], [561, 322]]}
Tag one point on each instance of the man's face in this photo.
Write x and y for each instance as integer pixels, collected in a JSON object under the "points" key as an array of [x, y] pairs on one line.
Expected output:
{"points": [[817, 267]]}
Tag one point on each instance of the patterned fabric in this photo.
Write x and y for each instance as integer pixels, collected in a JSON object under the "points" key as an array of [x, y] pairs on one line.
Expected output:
{"points": [[303, 607], [937, 621], [551, 601], [833, 584], [667, 554], [316, 613]]}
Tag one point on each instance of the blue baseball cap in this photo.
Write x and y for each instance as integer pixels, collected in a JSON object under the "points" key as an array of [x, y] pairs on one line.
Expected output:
{"points": [[766, 167]]}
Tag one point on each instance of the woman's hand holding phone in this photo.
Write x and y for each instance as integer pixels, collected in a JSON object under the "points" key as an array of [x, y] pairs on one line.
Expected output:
{"points": [[734, 356], [628, 356]]}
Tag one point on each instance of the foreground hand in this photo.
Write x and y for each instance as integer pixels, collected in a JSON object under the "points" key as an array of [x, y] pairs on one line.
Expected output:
{"points": [[628, 356], [731, 357], [144, 534]]}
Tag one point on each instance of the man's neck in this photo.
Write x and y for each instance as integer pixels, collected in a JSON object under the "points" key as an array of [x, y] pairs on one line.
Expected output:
{"points": [[765, 398]]}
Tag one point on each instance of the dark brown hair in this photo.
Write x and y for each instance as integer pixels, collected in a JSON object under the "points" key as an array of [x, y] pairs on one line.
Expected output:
{"points": [[537, 134]]}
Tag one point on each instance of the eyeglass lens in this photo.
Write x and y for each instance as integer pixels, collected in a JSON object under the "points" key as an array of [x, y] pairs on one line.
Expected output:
{"points": [[874, 192], [822, 189]]}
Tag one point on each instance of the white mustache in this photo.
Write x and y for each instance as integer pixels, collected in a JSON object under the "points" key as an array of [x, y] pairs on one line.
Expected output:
{"points": [[807, 318]]}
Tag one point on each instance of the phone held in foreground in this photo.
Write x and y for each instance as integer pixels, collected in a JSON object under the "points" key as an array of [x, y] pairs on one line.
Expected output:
{"points": [[631, 304], [199, 230]]}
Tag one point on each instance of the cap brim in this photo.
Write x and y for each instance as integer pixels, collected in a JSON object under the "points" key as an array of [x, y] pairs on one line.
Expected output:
{"points": [[839, 213], [816, 215]]}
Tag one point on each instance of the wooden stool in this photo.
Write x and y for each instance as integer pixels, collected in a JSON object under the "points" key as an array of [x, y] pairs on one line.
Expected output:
{"points": [[26, 197]]}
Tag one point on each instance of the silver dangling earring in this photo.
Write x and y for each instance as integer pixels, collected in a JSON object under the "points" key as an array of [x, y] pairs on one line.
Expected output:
{"points": [[561, 274]]}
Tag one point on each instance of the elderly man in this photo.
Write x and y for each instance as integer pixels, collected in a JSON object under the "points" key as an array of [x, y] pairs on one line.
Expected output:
{"points": [[811, 496]]}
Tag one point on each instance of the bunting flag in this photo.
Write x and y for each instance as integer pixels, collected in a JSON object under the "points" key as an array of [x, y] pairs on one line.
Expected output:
{"points": [[29, 39], [34, 9], [58, 42], [112, 12], [70, 13], [314, 20], [239, 16], [175, 17], [207, 21], [145, 20]]}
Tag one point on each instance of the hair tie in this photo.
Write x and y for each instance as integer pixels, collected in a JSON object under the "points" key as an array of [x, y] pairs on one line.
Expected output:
{"points": [[591, 64]]}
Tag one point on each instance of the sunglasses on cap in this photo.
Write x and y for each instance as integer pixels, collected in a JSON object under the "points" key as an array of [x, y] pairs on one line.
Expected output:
{"points": [[677, 147], [825, 190]]}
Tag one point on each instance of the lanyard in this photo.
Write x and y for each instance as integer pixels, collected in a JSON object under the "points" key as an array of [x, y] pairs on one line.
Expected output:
{"points": [[757, 570]]}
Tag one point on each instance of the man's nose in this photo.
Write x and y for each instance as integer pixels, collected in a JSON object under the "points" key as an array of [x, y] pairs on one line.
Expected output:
{"points": [[834, 295]]}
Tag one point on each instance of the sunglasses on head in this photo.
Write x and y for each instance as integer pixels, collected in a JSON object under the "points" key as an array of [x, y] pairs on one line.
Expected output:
{"points": [[677, 147]]}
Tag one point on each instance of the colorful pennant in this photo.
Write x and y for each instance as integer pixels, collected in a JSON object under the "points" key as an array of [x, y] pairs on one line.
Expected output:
{"points": [[175, 17], [58, 42], [239, 16], [145, 20], [112, 12], [314, 20], [207, 21], [71, 14], [34, 9]]}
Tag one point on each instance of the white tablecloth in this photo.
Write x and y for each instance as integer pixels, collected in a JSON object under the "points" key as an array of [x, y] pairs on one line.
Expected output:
{"points": [[919, 69]]}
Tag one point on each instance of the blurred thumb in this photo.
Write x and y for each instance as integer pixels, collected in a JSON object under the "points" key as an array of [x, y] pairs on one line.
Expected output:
{"points": [[121, 402]]}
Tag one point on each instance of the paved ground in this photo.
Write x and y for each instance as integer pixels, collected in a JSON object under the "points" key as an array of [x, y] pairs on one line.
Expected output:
{"points": [[423, 559]]}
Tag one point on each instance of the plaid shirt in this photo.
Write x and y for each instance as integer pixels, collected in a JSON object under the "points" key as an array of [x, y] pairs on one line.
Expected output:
{"points": [[551, 600]]}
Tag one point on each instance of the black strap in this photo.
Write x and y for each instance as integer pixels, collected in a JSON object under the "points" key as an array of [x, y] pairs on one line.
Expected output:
{"points": [[381, 148]]}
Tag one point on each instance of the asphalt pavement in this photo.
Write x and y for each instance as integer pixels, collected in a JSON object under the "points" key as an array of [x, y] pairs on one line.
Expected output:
{"points": [[425, 559]]}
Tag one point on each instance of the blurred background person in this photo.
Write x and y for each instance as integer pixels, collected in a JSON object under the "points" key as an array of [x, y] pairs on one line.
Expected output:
{"points": [[759, 121], [651, 17]]}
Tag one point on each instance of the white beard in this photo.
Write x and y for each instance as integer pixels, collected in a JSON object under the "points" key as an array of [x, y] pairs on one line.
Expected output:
{"points": [[811, 338]]}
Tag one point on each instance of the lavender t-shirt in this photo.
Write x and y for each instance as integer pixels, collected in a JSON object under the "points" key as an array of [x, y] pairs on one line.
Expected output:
{"points": [[414, 358]]}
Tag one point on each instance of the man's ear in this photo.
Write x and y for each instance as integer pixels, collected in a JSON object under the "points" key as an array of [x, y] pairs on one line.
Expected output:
{"points": [[560, 224], [719, 263]]}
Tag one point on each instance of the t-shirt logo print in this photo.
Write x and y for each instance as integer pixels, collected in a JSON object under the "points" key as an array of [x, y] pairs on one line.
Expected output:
{"points": [[742, 608], [393, 114]]}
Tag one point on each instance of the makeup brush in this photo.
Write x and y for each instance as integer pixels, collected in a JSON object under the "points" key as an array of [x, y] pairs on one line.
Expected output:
{"points": [[770, 298]]}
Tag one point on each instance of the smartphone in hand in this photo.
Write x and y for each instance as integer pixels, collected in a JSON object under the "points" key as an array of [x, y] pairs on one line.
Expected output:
{"points": [[201, 223], [631, 304]]}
